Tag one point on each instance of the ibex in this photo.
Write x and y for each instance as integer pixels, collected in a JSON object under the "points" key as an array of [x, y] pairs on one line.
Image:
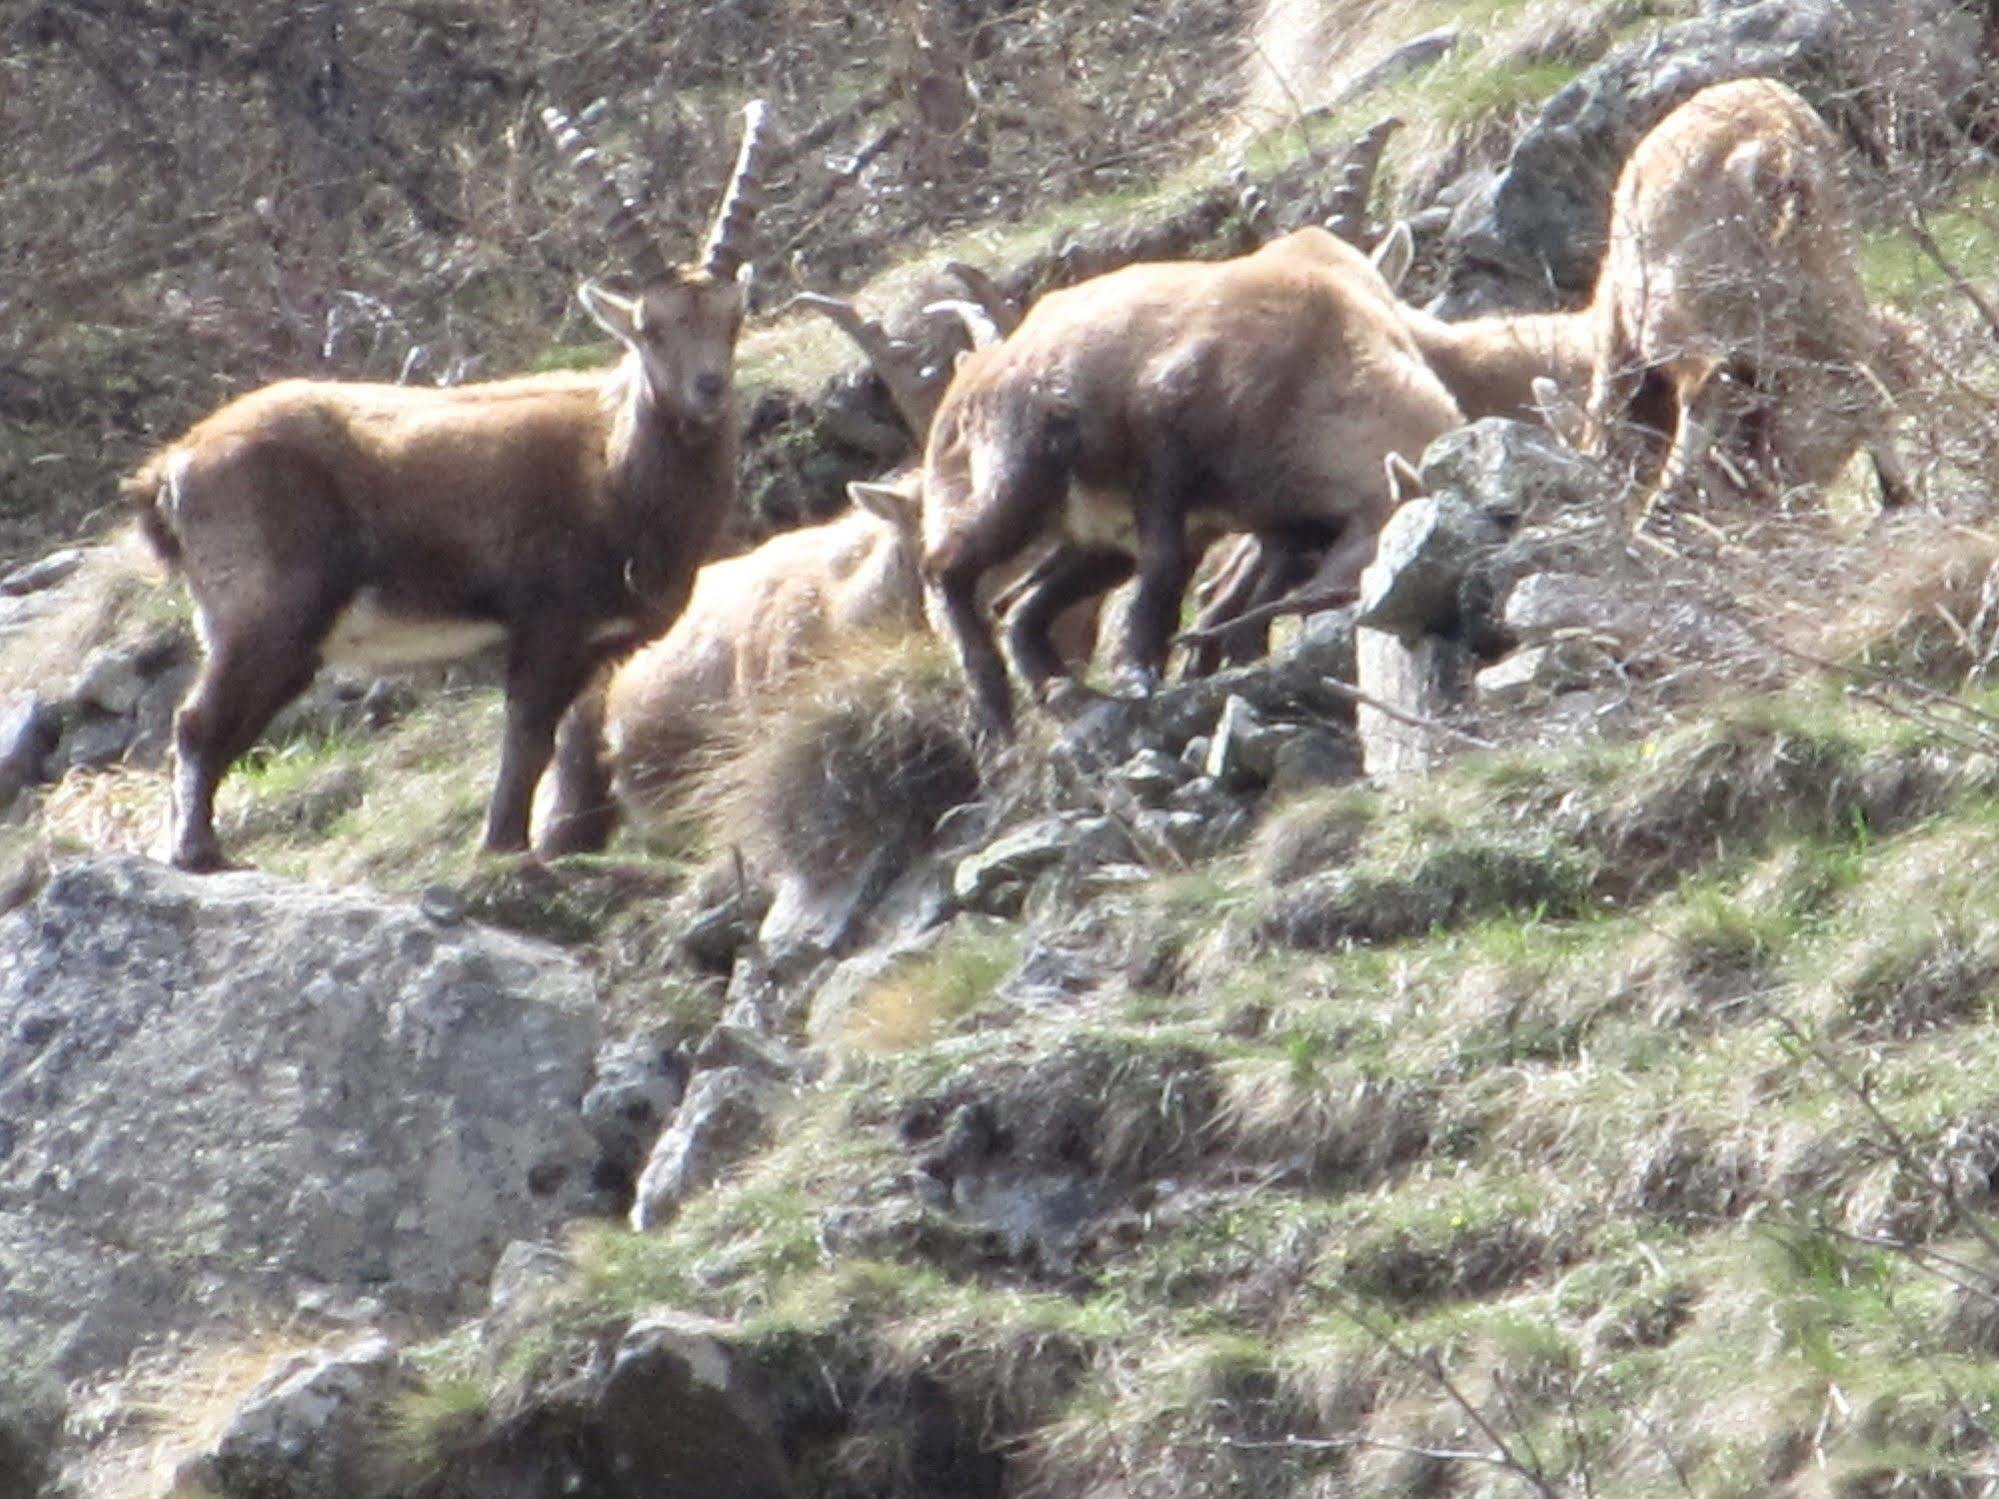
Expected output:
{"points": [[563, 515], [1490, 366], [755, 619], [1135, 416], [752, 621], [1729, 315], [1728, 307]]}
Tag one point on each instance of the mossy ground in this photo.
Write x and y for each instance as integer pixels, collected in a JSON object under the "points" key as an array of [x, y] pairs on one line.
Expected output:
{"points": [[1660, 1161]]}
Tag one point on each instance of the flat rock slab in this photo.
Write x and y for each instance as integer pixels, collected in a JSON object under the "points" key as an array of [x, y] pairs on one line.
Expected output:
{"points": [[220, 1094]]}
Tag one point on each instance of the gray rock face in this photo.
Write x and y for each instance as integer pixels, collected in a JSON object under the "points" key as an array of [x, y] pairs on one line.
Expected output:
{"points": [[29, 728], [109, 680], [677, 1407], [1545, 605], [220, 1094], [995, 879], [1243, 749], [639, 1083], [1539, 672], [1509, 471], [43, 573], [681, 1408], [1427, 548], [720, 1121], [1534, 237]]}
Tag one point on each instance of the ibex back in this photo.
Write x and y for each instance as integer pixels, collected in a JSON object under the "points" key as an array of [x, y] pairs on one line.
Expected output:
{"points": [[1138, 415]]}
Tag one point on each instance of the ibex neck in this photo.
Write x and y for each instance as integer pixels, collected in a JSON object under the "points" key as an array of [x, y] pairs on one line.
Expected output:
{"points": [[671, 484], [1491, 363]]}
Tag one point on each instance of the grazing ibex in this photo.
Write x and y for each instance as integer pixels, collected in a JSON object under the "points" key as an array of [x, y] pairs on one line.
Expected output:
{"points": [[1135, 416], [1490, 366], [562, 514], [1728, 322], [1729, 315]]}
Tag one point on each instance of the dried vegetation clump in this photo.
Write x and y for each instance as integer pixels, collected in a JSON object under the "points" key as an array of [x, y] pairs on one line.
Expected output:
{"points": [[857, 761]]}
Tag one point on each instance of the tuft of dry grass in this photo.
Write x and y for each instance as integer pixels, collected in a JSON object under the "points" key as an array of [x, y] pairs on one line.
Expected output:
{"points": [[120, 809], [1929, 613], [1310, 834], [1324, 1124], [183, 1402], [858, 759], [917, 997]]}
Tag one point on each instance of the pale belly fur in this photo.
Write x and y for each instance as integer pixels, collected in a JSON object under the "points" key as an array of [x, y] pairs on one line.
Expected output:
{"points": [[1103, 519], [370, 636]]}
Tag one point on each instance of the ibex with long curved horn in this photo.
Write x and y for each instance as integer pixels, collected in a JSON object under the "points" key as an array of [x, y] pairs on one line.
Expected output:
{"points": [[563, 515], [753, 620]]}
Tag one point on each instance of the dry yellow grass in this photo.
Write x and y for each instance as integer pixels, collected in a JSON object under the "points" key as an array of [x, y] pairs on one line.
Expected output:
{"points": [[176, 1404], [116, 810]]}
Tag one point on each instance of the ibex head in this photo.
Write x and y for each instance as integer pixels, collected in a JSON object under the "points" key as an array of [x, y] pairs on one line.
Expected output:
{"points": [[681, 326]]}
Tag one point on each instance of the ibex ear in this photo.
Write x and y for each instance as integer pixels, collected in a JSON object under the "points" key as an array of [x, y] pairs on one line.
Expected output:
{"points": [[616, 315], [1404, 482], [895, 501], [1392, 257]]}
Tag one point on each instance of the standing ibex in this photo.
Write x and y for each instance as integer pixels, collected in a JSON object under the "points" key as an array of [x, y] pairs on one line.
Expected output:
{"points": [[1729, 315], [562, 514], [1138, 415], [754, 620]]}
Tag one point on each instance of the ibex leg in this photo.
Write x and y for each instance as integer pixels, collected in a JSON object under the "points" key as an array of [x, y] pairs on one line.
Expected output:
{"points": [[580, 815], [1022, 497], [1278, 561], [1164, 565], [251, 671], [1062, 578], [545, 670]]}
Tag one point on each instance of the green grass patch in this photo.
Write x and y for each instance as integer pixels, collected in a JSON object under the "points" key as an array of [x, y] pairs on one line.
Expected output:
{"points": [[1898, 270]]}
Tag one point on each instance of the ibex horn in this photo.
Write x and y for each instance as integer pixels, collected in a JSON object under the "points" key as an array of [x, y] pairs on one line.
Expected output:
{"points": [[985, 291], [1348, 218], [624, 225], [725, 253], [975, 318], [893, 361], [1256, 210]]}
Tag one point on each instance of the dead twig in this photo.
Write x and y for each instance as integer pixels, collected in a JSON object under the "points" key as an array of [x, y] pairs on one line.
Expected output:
{"points": [[1898, 1144], [1431, 1365]]}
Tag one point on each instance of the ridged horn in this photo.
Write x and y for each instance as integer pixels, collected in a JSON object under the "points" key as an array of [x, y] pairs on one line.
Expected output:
{"points": [[913, 396], [624, 225], [1348, 217], [726, 249], [1255, 206], [998, 306]]}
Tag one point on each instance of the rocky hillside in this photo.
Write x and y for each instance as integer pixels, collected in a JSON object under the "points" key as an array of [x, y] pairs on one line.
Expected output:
{"points": [[1553, 1070]]}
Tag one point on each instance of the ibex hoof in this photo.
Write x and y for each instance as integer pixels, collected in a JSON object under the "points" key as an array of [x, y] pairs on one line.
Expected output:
{"points": [[1136, 684], [201, 859], [1065, 697]]}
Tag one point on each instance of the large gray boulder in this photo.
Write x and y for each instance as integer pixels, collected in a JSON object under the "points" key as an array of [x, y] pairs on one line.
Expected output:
{"points": [[234, 1095], [1532, 237]]}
